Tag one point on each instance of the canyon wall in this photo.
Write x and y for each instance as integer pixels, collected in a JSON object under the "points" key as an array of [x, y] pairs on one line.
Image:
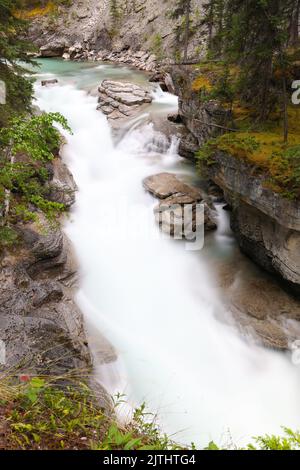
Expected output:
{"points": [[134, 24], [267, 225], [41, 326]]}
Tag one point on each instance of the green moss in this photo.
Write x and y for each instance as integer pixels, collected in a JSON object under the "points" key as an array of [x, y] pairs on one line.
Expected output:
{"points": [[266, 152]]}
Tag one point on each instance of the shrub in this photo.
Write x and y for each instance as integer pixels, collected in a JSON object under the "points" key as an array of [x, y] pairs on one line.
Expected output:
{"points": [[27, 146]]}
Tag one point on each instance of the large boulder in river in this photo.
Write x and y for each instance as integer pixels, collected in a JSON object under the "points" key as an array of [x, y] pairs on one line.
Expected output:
{"points": [[164, 185], [120, 101], [54, 49], [178, 213]]}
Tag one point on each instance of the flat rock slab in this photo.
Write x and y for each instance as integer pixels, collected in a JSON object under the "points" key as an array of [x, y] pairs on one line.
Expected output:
{"points": [[164, 185], [120, 100]]}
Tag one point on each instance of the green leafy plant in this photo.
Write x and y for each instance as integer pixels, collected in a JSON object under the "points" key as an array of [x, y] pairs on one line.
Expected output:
{"points": [[27, 147], [63, 413]]}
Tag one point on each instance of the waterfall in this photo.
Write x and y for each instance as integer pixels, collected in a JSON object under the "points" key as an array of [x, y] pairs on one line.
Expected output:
{"points": [[154, 300]]}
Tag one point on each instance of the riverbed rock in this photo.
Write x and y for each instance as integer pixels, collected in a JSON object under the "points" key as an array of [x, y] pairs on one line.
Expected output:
{"points": [[51, 81], [164, 185], [121, 100], [164, 80], [40, 324], [62, 188], [180, 216], [175, 117], [260, 307], [179, 213], [52, 49]]}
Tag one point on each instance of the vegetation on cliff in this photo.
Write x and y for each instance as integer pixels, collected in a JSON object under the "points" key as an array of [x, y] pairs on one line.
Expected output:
{"points": [[28, 143], [14, 51], [251, 64]]}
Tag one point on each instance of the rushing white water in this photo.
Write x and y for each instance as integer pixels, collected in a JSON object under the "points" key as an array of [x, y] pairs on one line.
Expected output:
{"points": [[154, 300]]}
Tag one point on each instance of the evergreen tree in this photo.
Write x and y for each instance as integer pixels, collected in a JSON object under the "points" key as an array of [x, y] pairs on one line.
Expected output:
{"points": [[115, 15], [13, 51], [294, 23], [254, 34], [182, 11]]}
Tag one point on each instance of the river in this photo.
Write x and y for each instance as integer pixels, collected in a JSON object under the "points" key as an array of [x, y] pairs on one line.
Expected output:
{"points": [[156, 302]]}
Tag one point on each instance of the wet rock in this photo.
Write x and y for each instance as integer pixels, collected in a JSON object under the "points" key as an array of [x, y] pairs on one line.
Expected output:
{"points": [[267, 226], [159, 77], [175, 117], [62, 188], [120, 101], [40, 324], [55, 49], [164, 185], [76, 50], [170, 84], [264, 310], [49, 82], [188, 146], [178, 214]]}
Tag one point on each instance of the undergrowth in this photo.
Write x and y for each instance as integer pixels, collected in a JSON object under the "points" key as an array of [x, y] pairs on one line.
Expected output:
{"points": [[64, 413], [39, 413]]}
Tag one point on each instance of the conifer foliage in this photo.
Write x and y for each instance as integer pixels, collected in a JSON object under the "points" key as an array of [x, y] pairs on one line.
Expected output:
{"points": [[13, 52], [255, 34]]}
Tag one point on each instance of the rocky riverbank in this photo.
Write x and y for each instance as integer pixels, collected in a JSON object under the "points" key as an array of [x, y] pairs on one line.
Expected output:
{"points": [[265, 223], [137, 25], [41, 326], [43, 331]]}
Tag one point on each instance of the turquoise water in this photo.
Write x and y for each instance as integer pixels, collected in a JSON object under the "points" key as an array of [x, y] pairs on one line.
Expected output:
{"points": [[86, 75]]}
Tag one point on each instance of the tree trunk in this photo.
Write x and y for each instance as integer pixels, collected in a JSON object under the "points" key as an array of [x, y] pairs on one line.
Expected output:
{"points": [[210, 24], [187, 29], [294, 26], [285, 112]]}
